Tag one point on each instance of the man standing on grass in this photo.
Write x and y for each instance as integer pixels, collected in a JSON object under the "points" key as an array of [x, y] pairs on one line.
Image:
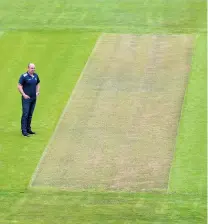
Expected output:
{"points": [[29, 87]]}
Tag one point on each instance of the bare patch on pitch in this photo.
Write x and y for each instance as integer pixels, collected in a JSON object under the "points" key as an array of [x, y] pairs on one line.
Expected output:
{"points": [[119, 129]]}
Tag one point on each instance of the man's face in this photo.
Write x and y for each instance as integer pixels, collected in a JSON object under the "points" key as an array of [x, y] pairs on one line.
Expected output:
{"points": [[31, 68]]}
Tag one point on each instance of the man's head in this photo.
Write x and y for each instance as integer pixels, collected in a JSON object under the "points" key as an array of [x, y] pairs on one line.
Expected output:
{"points": [[31, 68]]}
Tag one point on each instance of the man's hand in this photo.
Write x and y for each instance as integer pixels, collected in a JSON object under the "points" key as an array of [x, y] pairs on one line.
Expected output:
{"points": [[26, 96], [37, 94]]}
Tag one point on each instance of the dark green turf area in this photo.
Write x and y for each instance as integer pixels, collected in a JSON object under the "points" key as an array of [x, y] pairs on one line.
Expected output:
{"points": [[126, 16], [60, 55], [88, 207]]}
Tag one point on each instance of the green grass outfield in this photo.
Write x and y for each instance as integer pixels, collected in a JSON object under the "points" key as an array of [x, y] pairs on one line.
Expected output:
{"points": [[59, 37], [126, 16]]}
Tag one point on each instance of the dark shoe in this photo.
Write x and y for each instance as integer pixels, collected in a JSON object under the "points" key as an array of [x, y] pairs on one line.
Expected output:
{"points": [[31, 132], [25, 134]]}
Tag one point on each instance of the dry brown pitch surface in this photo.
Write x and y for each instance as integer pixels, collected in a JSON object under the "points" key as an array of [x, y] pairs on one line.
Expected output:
{"points": [[119, 129]]}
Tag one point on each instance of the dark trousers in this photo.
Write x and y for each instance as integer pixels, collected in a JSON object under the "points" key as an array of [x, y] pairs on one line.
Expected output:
{"points": [[28, 106]]}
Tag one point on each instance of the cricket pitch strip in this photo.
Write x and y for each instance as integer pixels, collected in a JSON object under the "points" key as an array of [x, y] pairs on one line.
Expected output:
{"points": [[118, 131]]}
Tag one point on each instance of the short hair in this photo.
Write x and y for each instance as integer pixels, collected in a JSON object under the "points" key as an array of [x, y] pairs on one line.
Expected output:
{"points": [[30, 64]]}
